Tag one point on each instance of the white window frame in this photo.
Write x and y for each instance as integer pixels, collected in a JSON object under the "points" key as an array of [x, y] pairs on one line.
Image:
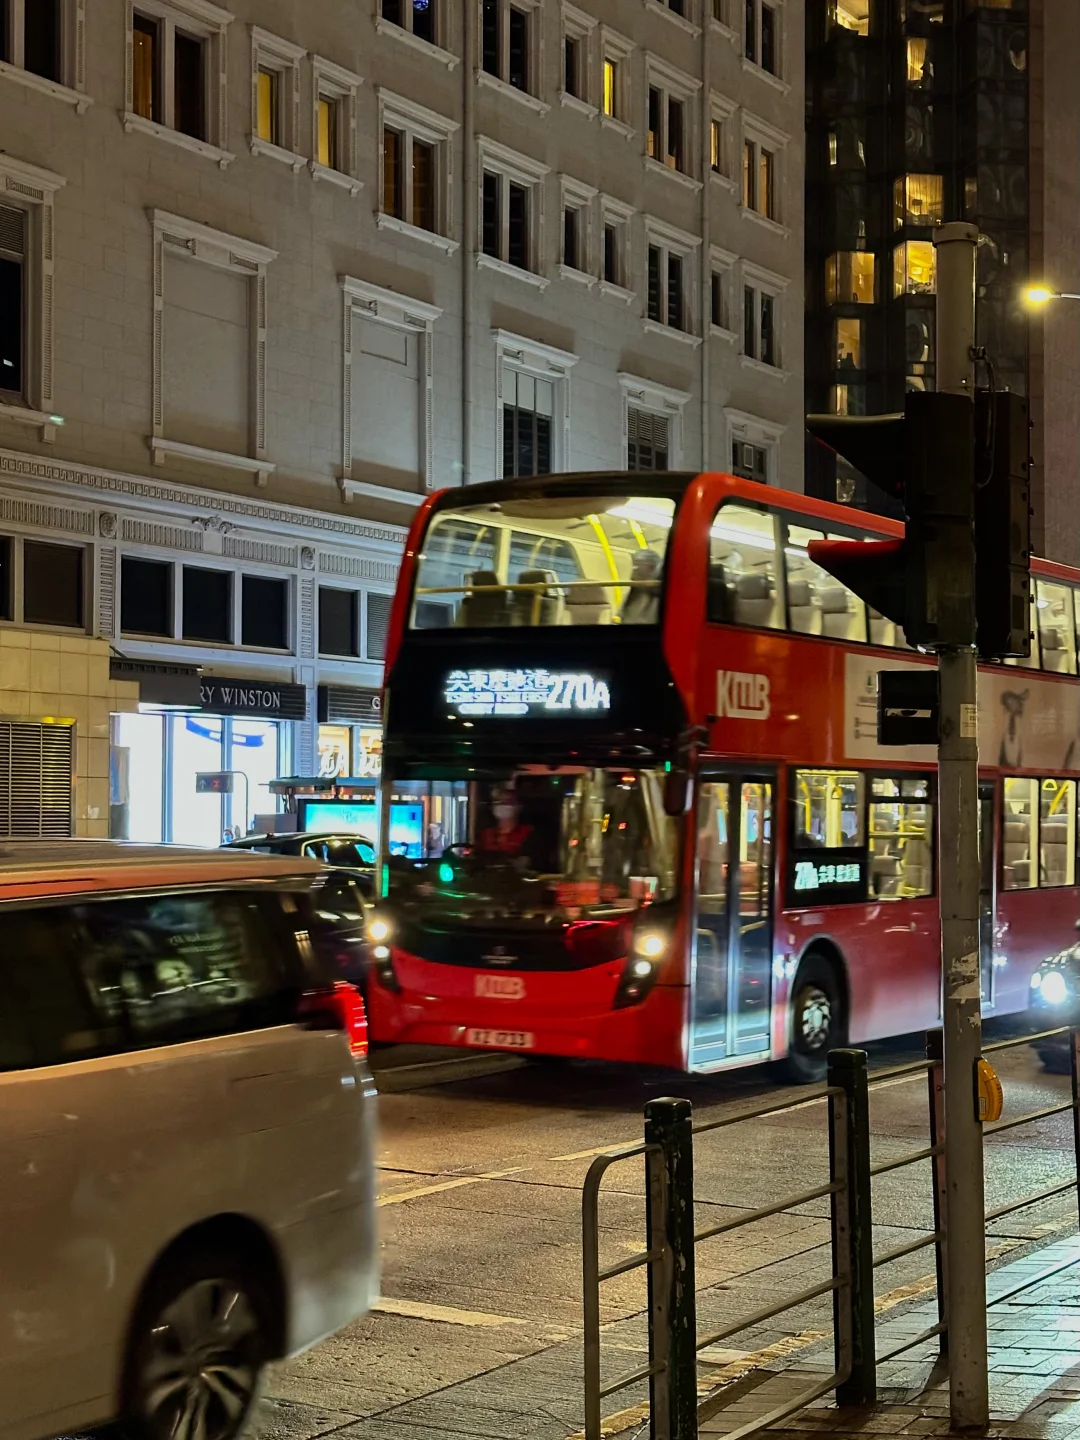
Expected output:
{"points": [[334, 82], [722, 263], [752, 430], [71, 88], [177, 235], [416, 122], [532, 97], [576, 195], [720, 23], [211, 24], [581, 28], [672, 241], [763, 136], [619, 50], [32, 190], [754, 67], [722, 113], [282, 59], [519, 169], [686, 23], [676, 85], [763, 282], [620, 215], [445, 27], [656, 399], [543, 362], [399, 312], [208, 559]]}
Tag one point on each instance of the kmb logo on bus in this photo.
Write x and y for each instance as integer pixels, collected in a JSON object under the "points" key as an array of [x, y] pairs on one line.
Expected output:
{"points": [[500, 987], [740, 696]]}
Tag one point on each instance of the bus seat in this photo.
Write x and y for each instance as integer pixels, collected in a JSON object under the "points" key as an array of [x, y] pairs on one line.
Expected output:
{"points": [[1054, 844], [755, 599], [805, 613], [882, 631], [1016, 853], [588, 605], [482, 607], [1054, 654], [836, 612], [536, 607], [885, 874], [915, 866]]}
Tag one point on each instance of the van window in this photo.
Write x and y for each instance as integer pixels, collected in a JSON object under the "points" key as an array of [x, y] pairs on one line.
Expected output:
{"points": [[182, 966], [901, 838], [744, 578], [817, 602], [1019, 844], [48, 1016], [1057, 638]]}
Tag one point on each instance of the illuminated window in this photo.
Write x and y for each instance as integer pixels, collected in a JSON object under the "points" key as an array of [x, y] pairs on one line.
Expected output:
{"points": [[901, 839], [669, 138], [610, 79], [853, 15], [829, 812], [914, 268], [415, 143], [616, 51], [328, 132], [1056, 637], [918, 200], [1057, 833], [839, 400], [849, 278], [275, 97], [333, 102], [849, 336], [818, 603], [919, 69], [268, 116], [1019, 840], [174, 79]]}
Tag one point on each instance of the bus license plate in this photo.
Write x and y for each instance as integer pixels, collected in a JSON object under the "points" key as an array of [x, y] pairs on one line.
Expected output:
{"points": [[501, 1039]]}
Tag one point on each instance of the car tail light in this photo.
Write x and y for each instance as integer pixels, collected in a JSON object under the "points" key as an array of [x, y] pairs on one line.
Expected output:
{"points": [[338, 1007]]}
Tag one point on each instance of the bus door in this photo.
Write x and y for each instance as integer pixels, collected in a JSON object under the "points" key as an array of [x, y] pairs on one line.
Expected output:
{"points": [[986, 891], [732, 982]]}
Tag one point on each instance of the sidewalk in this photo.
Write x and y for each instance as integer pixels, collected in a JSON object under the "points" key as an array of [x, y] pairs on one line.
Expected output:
{"points": [[1034, 1356]]}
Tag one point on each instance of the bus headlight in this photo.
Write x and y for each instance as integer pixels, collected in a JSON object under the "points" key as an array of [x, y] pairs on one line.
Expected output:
{"points": [[650, 944], [642, 967], [379, 930]]}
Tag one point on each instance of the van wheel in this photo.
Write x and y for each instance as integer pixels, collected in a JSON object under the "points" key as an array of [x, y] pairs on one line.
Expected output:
{"points": [[198, 1349], [818, 1022]]}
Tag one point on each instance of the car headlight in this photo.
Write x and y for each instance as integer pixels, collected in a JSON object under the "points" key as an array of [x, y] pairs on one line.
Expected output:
{"points": [[1053, 988]]}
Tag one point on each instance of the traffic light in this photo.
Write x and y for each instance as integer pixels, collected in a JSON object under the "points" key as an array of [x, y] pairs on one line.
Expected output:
{"points": [[1002, 525], [925, 459]]}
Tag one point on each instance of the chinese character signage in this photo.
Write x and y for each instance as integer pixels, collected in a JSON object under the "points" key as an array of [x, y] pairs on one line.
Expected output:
{"points": [[828, 875], [507, 693]]}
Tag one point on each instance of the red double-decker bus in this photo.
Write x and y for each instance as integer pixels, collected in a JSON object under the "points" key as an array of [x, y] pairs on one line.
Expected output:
{"points": [[642, 813]]}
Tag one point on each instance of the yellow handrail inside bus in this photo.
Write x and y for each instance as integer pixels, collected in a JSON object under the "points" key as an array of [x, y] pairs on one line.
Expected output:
{"points": [[605, 546]]}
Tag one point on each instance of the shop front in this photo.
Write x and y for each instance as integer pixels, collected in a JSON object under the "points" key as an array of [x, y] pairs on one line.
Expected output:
{"points": [[240, 726], [350, 733]]}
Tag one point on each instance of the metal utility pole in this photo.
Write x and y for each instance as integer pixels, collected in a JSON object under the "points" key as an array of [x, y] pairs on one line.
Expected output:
{"points": [[958, 879]]}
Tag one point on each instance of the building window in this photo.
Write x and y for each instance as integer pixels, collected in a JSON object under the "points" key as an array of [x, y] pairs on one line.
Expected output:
{"points": [[510, 49], [339, 621], [378, 624], [527, 414], [333, 123], [415, 168], [146, 597], [576, 226], [275, 96], [176, 80], [849, 278], [918, 200], [848, 342], [759, 325], [616, 51], [850, 15], [647, 439], [761, 36], [750, 462], [759, 188], [418, 17], [615, 238], [40, 37], [53, 585], [914, 268], [670, 136], [668, 276], [207, 605], [510, 211], [717, 307], [13, 301], [264, 613], [573, 66], [573, 237], [919, 69]]}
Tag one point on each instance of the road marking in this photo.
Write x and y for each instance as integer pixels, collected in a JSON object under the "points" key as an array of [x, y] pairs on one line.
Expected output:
{"points": [[401, 1196], [444, 1314]]}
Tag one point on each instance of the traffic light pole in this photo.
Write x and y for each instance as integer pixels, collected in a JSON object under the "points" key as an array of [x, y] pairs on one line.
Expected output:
{"points": [[958, 872]]}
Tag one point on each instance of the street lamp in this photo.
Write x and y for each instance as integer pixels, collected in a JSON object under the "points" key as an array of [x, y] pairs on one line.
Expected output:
{"points": [[1040, 295]]}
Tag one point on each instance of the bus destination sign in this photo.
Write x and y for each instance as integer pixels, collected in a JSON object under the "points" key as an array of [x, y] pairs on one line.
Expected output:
{"points": [[513, 692], [838, 876]]}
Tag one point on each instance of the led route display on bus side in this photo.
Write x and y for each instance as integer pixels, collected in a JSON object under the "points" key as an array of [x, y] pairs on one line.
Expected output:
{"points": [[513, 692]]}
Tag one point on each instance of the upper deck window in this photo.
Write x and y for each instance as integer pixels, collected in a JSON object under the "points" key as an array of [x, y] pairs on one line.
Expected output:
{"points": [[542, 561]]}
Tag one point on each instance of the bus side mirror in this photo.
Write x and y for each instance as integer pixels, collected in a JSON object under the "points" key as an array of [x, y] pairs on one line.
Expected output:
{"points": [[676, 792]]}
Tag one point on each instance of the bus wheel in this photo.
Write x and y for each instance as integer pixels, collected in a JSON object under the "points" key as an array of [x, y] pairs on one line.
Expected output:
{"points": [[817, 1020]]}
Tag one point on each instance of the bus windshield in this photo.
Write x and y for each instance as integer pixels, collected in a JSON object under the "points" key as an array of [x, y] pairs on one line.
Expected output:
{"points": [[535, 847], [537, 561]]}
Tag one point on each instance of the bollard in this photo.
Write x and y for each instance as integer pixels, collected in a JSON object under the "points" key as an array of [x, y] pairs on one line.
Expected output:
{"points": [[1074, 1065], [672, 1297], [935, 1079], [852, 1227]]}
